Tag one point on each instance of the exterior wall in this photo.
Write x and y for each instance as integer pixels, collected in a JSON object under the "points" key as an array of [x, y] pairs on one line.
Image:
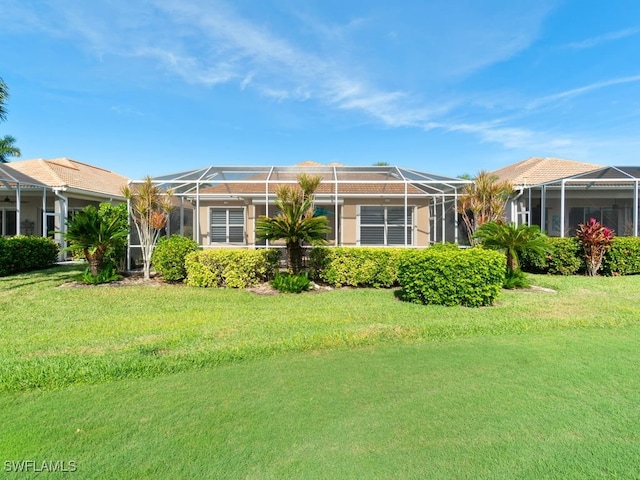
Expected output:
{"points": [[348, 220], [204, 237]]}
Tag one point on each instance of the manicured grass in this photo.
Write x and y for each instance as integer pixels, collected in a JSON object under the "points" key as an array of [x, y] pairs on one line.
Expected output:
{"points": [[56, 337], [549, 404]]}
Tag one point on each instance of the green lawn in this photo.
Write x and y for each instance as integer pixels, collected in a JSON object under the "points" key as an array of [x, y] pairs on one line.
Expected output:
{"points": [[174, 382], [54, 337], [560, 404]]}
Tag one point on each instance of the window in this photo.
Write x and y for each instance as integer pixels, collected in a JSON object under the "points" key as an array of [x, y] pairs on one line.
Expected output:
{"points": [[385, 226], [227, 225], [8, 222]]}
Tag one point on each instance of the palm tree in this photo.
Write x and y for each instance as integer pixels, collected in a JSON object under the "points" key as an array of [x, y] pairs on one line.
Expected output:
{"points": [[513, 240], [7, 148], [95, 236], [149, 208], [483, 201], [295, 223], [4, 93]]}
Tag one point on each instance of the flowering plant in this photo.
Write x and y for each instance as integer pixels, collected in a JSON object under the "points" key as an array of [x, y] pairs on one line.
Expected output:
{"points": [[595, 239]]}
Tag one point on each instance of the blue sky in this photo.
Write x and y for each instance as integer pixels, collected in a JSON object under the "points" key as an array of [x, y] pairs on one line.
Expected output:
{"points": [[450, 87]]}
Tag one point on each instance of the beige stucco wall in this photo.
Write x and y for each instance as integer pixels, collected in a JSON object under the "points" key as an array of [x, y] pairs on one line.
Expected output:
{"points": [[204, 238], [348, 222]]}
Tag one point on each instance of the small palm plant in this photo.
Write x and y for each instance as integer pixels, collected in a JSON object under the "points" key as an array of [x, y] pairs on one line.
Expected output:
{"points": [[95, 236], [295, 223], [149, 208], [483, 201], [514, 241]]}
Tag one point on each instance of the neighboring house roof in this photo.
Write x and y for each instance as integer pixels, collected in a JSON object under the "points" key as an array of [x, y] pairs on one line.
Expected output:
{"points": [[10, 177], [604, 177], [71, 174], [537, 170]]}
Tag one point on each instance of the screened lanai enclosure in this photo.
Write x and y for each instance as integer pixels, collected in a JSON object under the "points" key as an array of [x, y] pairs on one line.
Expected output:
{"points": [[23, 202], [610, 195], [375, 205]]}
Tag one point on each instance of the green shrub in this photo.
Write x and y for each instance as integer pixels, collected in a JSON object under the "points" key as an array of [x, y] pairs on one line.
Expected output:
{"points": [[25, 253], [109, 273], [516, 279], [469, 277], [623, 258], [562, 257], [356, 267], [290, 283], [230, 268], [169, 254]]}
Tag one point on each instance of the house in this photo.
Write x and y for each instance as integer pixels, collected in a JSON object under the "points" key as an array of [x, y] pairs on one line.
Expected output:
{"points": [[38, 195], [558, 195], [374, 205]]}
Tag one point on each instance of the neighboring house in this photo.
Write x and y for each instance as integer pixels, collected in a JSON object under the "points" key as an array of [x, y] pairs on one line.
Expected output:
{"points": [[558, 195], [376, 206], [39, 195]]}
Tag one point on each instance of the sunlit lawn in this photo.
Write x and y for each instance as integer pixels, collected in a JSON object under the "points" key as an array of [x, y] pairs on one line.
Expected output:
{"points": [[342, 384]]}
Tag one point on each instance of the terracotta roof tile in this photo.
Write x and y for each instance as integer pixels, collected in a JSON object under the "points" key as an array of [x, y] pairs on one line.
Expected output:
{"points": [[64, 172], [537, 170], [11, 176]]}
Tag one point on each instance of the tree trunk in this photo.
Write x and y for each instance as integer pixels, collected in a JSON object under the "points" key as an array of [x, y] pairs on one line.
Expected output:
{"points": [[512, 261], [95, 261], [593, 267], [294, 252]]}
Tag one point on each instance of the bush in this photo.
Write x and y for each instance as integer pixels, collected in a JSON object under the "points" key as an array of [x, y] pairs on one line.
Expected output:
{"points": [[356, 267], [231, 268], [291, 283], [469, 277], [517, 279], [623, 258], [26, 253], [562, 257], [168, 257], [108, 273]]}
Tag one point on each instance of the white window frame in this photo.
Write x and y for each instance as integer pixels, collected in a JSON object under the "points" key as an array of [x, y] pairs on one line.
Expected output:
{"points": [[227, 225], [385, 226]]}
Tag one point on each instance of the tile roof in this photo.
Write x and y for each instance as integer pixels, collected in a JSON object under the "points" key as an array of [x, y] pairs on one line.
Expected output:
{"points": [[67, 173], [537, 170], [10, 177], [377, 185]]}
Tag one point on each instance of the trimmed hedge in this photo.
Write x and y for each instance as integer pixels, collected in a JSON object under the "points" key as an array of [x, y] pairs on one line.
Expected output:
{"points": [[563, 256], [623, 258], [169, 254], [231, 268], [356, 267], [469, 277], [26, 253]]}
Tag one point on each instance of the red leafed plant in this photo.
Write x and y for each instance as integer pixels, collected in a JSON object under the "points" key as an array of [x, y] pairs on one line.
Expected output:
{"points": [[595, 240]]}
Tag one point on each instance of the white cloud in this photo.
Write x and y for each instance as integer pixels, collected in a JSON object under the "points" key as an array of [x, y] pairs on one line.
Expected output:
{"points": [[607, 37], [550, 99]]}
